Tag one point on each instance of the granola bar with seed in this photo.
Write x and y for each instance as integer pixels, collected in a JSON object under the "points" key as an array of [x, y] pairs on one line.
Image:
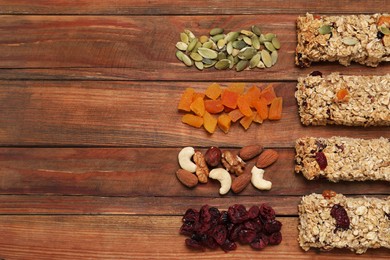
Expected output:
{"points": [[347, 159], [369, 223], [357, 38], [344, 100]]}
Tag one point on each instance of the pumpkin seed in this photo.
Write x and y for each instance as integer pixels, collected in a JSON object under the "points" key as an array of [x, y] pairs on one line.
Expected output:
{"points": [[216, 31], [222, 64], [269, 36], [262, 39], [325, 29], [256, 30], [209, 65], [181, 46], [192, 44], [197, 46], [208, 45], [350, 41], [276, 43], [190, 34], [203, 39], [261, 65], [229, 47], [218, 37], [187, 61], [239, 44], [255, 42], [179, 55], [208, 61], [247, 40], [232, 61], [221, 43], [246, 33], [199, 65], [241, 65], [207, 53], [384, 30], [274, 57], [196, 56], [247, 53], [221, 55], [266, 58], [184, 38], [231, 36], [254, 61], [235, 52], [269, 46]]}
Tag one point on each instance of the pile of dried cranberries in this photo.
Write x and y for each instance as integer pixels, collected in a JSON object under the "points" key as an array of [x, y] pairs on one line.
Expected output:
{"points": [[211, 228]]}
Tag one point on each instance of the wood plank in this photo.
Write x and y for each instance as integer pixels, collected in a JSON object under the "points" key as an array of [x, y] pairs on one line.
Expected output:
{"points": [[140, 237], [141, 172], [130, 114], [135, 48], [188, 7]]}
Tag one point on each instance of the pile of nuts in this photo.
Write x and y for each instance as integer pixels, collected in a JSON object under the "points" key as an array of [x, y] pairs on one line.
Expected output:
{"points": [[192, 161]]}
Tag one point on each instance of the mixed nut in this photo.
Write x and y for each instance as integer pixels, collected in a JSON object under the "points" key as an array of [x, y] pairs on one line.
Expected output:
{"points": [[242, 49], [195, 167]]}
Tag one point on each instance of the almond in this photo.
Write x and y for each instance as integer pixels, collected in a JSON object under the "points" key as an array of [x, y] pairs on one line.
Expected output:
{"points": [[187, 178], [267, 158], [240, 183], [251, 151]]}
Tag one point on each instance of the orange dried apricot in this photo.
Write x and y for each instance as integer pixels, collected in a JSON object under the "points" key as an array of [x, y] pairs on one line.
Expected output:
{"points": [[186, 100], [198, 106], [342, 95], [214, 106], [247, 121], [209, 122], [236, 115], [213, 91], [268, 93], [275, 111], [192, 120], [252, 95], [262, 108], [229, 98], [224, 122], [244, 106], [237, 87]]}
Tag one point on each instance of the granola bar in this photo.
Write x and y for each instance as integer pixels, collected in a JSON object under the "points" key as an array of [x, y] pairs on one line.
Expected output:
{"points": [[358, 38], [343, 158], [369, 223], [344, 100]]}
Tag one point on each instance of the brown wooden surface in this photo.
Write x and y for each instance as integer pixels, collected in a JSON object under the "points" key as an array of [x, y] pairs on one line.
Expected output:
{"points": [[89, 131]]}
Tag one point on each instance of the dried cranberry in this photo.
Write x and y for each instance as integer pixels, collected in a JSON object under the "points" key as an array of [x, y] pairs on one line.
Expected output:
{"points": [[219, 233], [215, 216], [340, 214], [272, 226], [380, 35], [228, 245], [253, 212], [204, 214], [340, 147], [260, 242], [251, 225], [237, 213], [246, 236], [210, 242], [233, 235], [266, 212], [316, 73], [275, 238], [194, 244], [188, 228], [223, 218], [321, 160], [191, 215]]}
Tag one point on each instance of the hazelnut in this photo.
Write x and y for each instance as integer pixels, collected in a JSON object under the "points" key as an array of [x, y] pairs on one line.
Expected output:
{"points": [[213, 156]]}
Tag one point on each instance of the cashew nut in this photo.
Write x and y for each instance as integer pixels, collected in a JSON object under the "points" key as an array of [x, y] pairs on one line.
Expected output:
{"points": [[258, 181], [223, 177], [184, 157]]}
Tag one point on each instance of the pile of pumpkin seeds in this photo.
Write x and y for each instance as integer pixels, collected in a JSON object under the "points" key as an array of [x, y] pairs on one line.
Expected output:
{"points": [[242, 49]]}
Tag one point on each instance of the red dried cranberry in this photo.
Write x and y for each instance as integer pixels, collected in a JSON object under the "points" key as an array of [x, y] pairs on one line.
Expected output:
{"points": [[275, 238], [223, 218], [210, 242], [316, 73], [215, 215], [266, 212], [321, 160], [228, 245], [246, 236], [273, 226], [340, 214], [194, 244], [188, 228], [204, 214], [253, 212], [233, 235], [237, 213], [219, 233], [191, 215], [260, 242]]}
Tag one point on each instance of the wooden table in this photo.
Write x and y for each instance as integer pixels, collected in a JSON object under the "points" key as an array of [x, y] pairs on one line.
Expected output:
{"points": [[89, 130]]}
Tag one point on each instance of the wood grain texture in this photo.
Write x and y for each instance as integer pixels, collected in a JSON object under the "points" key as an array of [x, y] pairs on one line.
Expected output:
{"points": [[137, 48], [127, 237], [140, 172], [76, 113], [213, 7]]}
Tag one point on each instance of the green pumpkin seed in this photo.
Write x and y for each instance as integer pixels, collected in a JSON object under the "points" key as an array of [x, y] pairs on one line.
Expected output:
{"points": [[196, 56], [274, 57], [235, 52], [222, 64], [269, 46], [203, 39], [262, 39], [199, 65], [254, 61], [232, 61], [190, 34], [229, 48], [187, 61], [209, 65], [197, 46], [325, 29], [179, 55], [208, 45], [221, 55], [208, 61], [192, 44], [239, 44], [181, 46], [184, 38], [261, 65], [218, 37], [216, 31], [247, 40], [231, 36], [221, 43], [269, 36], [276, 43], [256, 30], [255, 42], [350, 41], [266, 58], [246, 33], [207, 53], [247, 53], [384, 30], [241, 65]]}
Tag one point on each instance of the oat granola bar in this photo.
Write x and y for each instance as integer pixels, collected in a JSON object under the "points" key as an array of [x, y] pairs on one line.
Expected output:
{"points": [[369, 223], [359, 38], [343, 158], [344, 100]]}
